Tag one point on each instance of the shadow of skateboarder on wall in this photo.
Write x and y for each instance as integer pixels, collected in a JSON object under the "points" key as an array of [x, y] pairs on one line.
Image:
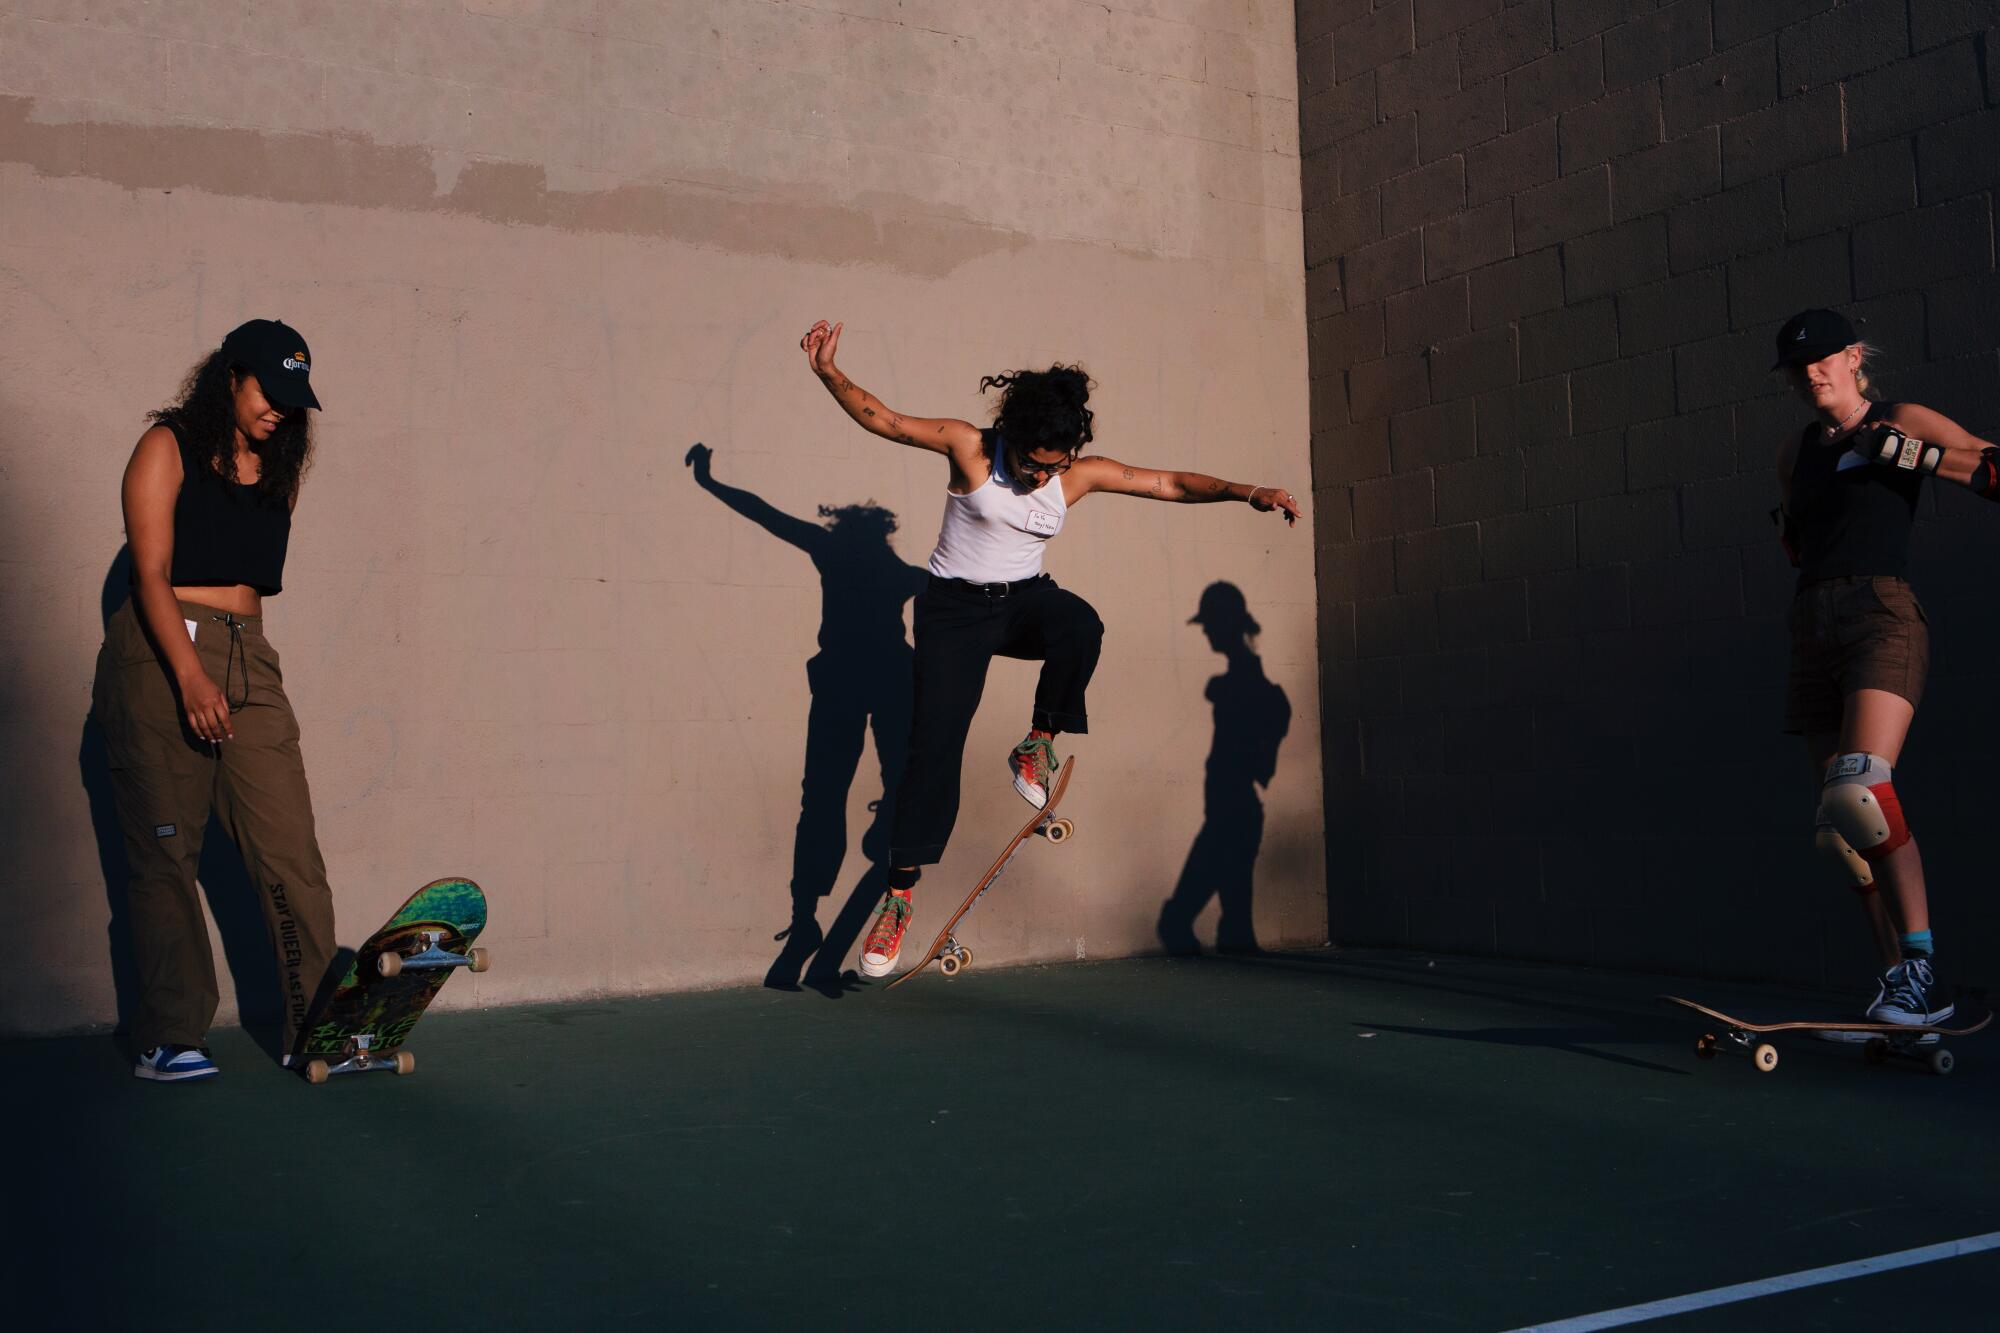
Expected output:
{"points": [[860, 682], [1252, 716]]}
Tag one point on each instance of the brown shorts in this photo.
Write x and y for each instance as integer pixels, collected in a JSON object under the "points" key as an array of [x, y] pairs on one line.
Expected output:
{"points": [[1848, 634]]}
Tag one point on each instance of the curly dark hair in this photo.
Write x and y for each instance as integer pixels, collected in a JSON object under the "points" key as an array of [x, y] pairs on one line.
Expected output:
{"points": [[206, 416], [863, 521], [1043, 409]]}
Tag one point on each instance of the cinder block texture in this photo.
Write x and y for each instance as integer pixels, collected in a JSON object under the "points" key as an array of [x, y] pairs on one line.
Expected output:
{"points": [[1571, 257], [541, 250]]}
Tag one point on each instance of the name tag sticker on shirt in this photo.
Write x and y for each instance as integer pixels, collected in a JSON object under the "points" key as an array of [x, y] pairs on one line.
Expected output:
{"points": [[1042, 521], [190, 625]]}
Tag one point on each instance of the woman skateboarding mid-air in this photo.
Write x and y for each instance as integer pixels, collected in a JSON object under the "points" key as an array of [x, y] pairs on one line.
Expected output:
{"points": [[1010, 490], [1860, 647]]}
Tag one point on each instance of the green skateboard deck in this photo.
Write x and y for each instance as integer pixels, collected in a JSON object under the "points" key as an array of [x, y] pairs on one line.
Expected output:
{"points": [[362, 1025]]}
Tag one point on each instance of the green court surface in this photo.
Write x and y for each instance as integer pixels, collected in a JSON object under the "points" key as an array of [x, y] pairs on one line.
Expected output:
{"points": [[1327, 1140]]}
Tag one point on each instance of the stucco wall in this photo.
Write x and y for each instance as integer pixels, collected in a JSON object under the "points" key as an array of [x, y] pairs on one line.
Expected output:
{"points": [[542, 249]]}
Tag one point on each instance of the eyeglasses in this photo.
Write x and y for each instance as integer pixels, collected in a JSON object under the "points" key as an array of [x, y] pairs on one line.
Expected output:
{"points": [[1024, 464]]}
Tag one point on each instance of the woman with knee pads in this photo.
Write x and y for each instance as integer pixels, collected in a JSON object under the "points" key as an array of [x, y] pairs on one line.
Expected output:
{"points": [[1860, 647], [1010, 490]]}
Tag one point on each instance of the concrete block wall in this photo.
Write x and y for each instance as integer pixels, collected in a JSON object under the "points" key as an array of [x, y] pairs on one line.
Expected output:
{"points": [[1547, 245], [540, 251]]}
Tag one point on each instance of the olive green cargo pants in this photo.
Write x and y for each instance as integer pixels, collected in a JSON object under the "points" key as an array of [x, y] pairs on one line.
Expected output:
{"points": [[167, 782]]}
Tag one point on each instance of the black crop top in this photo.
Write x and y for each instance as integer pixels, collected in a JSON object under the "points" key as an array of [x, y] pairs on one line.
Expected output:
{"points": [[224, 532], [1854, 520]]}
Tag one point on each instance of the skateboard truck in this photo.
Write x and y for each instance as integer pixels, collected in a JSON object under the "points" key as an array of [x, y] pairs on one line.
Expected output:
{"points": [[361, 1059], [390, 963], [953, 956]]}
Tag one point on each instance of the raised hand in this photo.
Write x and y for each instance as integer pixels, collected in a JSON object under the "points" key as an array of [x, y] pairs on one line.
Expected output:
{"points": [[820, 344], [698, 459]]}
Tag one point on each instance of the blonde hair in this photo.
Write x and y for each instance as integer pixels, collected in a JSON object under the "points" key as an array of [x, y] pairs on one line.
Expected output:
{"points": [[1869, 351]]}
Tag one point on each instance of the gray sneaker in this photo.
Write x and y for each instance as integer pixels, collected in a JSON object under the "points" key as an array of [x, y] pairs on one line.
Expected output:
{"points": [[1905, 995]]}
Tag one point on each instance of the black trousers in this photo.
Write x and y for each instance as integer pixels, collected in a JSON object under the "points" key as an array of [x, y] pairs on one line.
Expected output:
{"points": [[960, 630]]}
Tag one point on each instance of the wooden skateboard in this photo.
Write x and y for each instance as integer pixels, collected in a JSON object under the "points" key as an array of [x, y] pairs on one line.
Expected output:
{"points": [[947, 952], [1885, 1041], [361, 1026]]}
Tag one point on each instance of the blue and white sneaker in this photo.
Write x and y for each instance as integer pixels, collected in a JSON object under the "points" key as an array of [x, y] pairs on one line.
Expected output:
{"points": [[1904, 996], [174, 1064]]}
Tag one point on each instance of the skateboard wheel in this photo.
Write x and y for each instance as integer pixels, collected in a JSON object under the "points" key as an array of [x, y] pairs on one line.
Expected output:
{"points": [[389, 963], [1058, 830], [965, 958], [316, 1072], [1765, 1056], [1705, 1046], [1876, 1052], [1941, 1061], [406, 1063], [479, 962], [949, 964]]}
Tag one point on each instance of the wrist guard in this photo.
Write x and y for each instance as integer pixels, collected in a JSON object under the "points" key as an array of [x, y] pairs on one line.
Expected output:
{"points": [[1906, 453], [1985, 479]]}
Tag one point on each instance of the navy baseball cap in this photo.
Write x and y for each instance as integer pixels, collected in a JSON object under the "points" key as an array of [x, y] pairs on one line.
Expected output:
{"points": [[1811, 335], [277, 356]]}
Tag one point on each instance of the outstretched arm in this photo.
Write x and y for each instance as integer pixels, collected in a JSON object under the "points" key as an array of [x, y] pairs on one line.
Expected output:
{"points": [[1108, 474], [1915, 439], [794, 531], [943, 435]]}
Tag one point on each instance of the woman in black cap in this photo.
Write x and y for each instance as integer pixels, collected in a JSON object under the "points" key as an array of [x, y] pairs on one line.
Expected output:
{"points": [[189, 695], [1860, 647], [988, 596]]}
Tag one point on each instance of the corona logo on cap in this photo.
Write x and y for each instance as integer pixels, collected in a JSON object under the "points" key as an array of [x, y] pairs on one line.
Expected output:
{"points": [[297, 361]]}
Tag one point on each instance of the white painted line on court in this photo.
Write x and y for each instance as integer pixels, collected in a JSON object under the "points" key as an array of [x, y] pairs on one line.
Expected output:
{"points": [[1747, 1291]]}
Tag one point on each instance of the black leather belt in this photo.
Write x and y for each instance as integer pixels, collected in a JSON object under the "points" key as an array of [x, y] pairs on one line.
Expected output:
{"points": [[993, 591]]}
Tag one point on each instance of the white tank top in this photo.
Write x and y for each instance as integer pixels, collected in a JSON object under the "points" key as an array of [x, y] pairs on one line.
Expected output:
{"points": [[996, 533]]}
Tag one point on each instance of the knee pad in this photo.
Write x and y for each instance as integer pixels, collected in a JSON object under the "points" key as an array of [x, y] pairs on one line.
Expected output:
{"points": [[1859, 803], [1835, 849]]}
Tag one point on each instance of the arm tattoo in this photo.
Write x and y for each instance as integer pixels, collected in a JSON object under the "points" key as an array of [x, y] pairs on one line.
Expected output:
{"points": [[1128, 474], [867, 411], [1159, 478]]}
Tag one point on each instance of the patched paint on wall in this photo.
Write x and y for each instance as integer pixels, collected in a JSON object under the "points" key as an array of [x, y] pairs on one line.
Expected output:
{"points": [[523, 644]]}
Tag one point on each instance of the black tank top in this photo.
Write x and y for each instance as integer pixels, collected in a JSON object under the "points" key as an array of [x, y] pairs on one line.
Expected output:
{"points": [[1854, 520], [224, 532]]}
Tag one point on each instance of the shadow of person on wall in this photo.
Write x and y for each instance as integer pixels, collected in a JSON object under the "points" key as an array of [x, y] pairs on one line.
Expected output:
{"points": [[1252, 716], [225, 881], [860, 682]]}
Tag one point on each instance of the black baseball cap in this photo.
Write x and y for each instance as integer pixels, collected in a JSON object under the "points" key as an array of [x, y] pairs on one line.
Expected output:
{"points": [[277, 356], [1811, 335]]}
